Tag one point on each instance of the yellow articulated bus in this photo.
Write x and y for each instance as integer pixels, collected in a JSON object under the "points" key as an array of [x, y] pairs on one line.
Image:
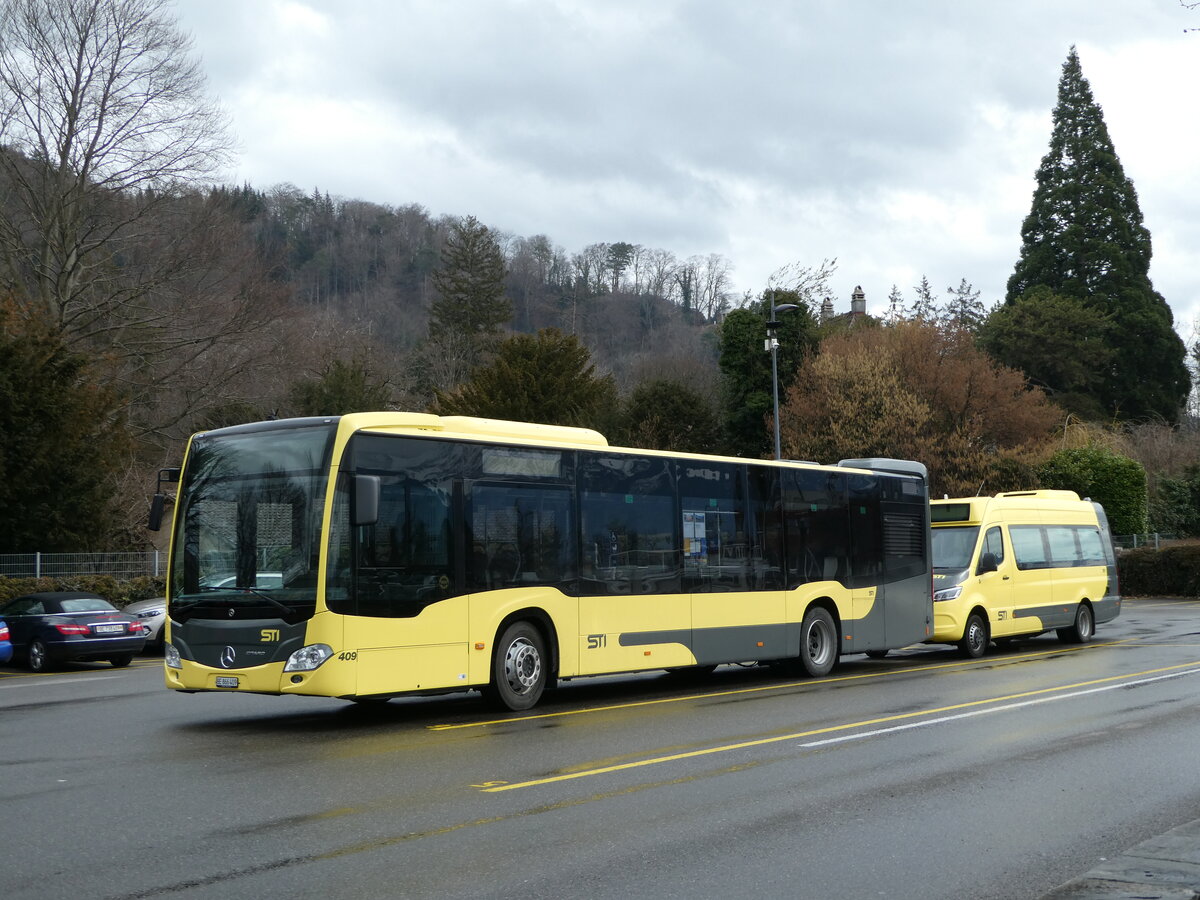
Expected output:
{"points": [[374, 555], [1020, 564]]}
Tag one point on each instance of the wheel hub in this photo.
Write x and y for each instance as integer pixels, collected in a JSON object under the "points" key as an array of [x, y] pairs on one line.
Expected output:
{"points": [[522, 665]]}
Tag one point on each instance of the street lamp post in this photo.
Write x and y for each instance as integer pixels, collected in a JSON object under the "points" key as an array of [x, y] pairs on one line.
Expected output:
{"points": [[772, 344]]}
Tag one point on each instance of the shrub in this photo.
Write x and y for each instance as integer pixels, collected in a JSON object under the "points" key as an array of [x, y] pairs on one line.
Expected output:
{"points": [[1169, 572], [1116, 482]]}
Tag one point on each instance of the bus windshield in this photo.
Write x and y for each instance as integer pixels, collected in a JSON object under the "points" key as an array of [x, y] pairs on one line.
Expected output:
{"points": [[954, 546], [247, 537]]}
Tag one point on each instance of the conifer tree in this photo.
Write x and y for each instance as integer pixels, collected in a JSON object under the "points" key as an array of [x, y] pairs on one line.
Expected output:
{"points": [[547, 377], [1084, 238], [470, 284]]}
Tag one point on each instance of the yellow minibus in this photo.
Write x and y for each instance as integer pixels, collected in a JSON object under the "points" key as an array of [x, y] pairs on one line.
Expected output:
{"points": [[1019, 564]]}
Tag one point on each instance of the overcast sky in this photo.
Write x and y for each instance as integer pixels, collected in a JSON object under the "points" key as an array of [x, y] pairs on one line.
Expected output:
{"points": [[900, 138]]}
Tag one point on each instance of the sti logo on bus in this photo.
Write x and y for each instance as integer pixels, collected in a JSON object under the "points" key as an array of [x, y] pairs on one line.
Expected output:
{"points": [[596, 641], [269, 635]]}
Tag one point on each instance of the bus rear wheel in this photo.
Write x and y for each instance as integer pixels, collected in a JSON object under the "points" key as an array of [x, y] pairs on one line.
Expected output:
{"points": [[1082, 630], [518, 668], [818, 643], [975, 637]]}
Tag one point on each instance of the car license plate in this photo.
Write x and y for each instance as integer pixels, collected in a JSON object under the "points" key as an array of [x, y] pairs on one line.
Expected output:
{"points": [[108, 629], [227, 681]]}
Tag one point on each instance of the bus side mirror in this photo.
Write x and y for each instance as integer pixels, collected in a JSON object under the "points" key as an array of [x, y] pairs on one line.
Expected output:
{"points": [[165, 476], [156, 511], [987, 563], [366, 499]]}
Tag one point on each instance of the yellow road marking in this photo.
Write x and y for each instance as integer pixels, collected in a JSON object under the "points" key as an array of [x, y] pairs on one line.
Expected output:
{"points": [[778, 686], [760, 742]]}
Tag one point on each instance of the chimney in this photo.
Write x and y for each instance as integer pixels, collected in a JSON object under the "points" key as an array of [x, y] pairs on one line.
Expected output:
{"points": [[858, 302], [826, 309]]}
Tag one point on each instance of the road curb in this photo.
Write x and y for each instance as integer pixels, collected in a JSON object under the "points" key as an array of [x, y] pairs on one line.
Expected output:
{"points": [[1166, 867]]}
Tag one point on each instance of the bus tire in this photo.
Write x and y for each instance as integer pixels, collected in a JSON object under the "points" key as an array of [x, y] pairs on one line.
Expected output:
{"points": [[975, 637], [1082, 630], [818, 643], [518, 668]]}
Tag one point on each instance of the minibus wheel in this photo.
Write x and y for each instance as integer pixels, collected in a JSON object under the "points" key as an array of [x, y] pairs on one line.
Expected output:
{"points": [[1083, 629], [975, 637]]}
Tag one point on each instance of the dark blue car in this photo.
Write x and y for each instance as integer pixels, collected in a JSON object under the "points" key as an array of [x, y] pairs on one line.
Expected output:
{"points": [[56, 626], [5, 643]]}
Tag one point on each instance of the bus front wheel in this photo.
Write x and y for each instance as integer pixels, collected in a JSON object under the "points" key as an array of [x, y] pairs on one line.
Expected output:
{"points": [[518, 668], [818, 643]]}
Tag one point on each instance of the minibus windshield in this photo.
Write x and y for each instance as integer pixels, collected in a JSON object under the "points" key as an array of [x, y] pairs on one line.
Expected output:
{"points": [[954, 546]]}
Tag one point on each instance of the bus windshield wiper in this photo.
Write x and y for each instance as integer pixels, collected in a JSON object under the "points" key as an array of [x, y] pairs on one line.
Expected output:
{"points": [[208, 589]]}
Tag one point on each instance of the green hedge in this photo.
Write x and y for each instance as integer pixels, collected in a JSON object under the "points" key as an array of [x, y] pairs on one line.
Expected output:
{"points": [[116, 591], [1116, 482], [1170, 572]]}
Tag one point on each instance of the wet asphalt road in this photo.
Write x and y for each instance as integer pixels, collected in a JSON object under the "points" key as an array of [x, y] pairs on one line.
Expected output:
{"points": [[921, 775]]}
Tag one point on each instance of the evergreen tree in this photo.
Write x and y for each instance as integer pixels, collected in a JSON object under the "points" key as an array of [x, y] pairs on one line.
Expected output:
{"points": [[746, 367], [547, 378], [895, 306], [470, 285], [964, 308], [924, 307], [1059, 342], [1084, 238], [62, 441], [344, 387], [664, 414]]}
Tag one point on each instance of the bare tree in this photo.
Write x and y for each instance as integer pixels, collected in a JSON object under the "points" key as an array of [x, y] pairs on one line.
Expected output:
{"points": [[660, 266], [809, 283], [712, 285], [103, 120]]}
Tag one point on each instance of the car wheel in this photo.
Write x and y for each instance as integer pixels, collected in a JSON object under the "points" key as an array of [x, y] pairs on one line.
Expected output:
{"points": [[877, 654], [121, 661], [39, 657]]}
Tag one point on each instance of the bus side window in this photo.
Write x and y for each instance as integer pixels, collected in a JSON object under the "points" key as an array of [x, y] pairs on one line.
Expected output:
{"points": [[816, 526], [630, 534], [521, 534]]}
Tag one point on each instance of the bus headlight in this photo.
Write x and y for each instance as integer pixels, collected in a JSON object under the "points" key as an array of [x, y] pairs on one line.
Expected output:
{"points": [[952, 593], [308, 658], [171, 657]]}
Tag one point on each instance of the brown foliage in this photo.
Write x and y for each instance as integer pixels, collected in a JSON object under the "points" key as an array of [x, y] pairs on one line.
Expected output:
{"points": [[921, 392]]}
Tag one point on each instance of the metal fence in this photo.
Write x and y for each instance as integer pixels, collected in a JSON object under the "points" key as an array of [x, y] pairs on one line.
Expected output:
{"points": [[1133, 541], [69, 565]]}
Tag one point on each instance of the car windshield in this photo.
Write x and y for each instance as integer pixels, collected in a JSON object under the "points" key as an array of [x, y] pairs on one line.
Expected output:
{"points": [[954, 546], [248, 526]]}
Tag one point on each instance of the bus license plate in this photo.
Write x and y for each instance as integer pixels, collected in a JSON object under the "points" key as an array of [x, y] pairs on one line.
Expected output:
{"points": [[108, 629], [227, 681]]}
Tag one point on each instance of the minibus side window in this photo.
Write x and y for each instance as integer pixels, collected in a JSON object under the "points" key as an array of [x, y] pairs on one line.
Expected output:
{"points": [[1090, 546], [1064, 552], [1028, 548]]}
